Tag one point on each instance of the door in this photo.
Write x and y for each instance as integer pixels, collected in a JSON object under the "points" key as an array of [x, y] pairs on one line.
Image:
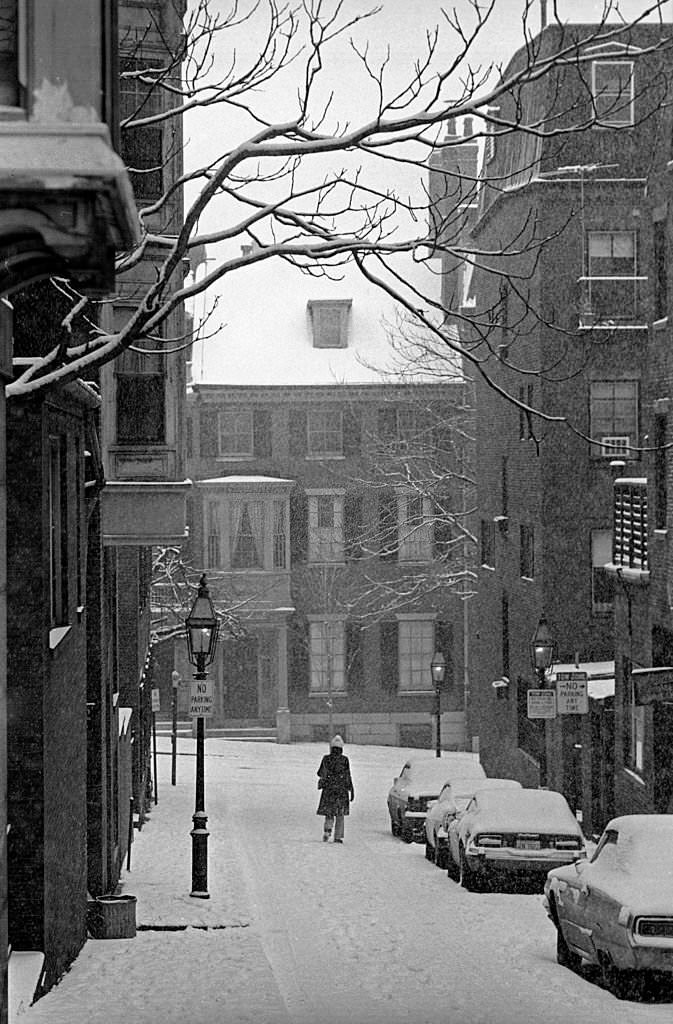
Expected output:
{"points": [[239, 679]]}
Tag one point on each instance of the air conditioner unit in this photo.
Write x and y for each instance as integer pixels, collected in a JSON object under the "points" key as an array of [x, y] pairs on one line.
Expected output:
{"points": [[616, 447]]}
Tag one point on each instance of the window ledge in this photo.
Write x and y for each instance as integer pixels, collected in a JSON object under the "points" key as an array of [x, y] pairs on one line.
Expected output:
{"points": [[661, 534], [323, 457], [612, 327], [419, 693], [57, 635], [528, 579]]}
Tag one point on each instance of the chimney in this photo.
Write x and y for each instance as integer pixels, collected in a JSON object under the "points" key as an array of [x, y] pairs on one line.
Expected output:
{"points": [[543, 14]]}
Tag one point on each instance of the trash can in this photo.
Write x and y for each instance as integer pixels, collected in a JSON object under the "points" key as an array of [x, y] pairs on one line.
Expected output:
{"points": [[112, 917]]}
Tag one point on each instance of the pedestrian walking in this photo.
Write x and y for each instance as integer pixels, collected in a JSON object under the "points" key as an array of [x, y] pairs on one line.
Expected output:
{"points": [[334, 779]]}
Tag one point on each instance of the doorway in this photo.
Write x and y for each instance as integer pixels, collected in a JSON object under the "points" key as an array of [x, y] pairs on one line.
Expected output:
{"points": [[239, 679]]}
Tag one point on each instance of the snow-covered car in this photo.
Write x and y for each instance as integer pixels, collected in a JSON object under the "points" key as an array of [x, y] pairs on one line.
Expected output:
{"points": [[513, 833], [419, 783], [452, 801], [616, 909]]}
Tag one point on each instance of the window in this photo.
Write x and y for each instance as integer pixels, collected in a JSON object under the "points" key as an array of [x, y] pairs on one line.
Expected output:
{"points": [[213, 554], [414, 528], [660, 271], [660, 466], [58, 531], [613, 417], [280, 535], [488, 543], [329, 322], [612, 90], [235, 433], [325, 526], [328, 649], [9, 55], [602, 583], [527, 551], [247, 534], [633, 721], [141, 148], [416, 647], [325, 432], [611, 284], [140, 377]]}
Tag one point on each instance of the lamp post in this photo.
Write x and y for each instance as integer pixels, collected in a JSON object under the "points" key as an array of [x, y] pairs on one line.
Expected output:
{"points": [[542, 659], [202, 627], [437, 669]]}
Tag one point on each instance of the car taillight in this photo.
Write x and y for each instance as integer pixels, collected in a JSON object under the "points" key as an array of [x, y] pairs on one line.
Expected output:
{"points": [[488, 840], [568, 843]]}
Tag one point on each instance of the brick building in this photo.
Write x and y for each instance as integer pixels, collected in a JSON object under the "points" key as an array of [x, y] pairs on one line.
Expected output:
{"points": [[567, 301], [640, 564], [315, 522]]}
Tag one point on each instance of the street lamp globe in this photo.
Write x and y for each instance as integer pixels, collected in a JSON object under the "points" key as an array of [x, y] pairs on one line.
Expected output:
{"points": [[542, 647], [202, 628], [438, 668]]}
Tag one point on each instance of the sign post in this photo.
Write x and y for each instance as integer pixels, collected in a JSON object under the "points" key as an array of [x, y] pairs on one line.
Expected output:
{"points": [[156, 706], [572, 696]]}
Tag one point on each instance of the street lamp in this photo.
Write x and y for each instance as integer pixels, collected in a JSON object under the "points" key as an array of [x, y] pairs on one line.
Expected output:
{"points": [[437, 669], [202, 627], [542, 659]]}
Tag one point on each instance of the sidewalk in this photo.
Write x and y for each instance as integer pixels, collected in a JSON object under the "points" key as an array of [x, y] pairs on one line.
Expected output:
{"points": [[192, 960]]}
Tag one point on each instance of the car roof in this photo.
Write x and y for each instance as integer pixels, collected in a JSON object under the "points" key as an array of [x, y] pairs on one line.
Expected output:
{"points": [[632, 823]]}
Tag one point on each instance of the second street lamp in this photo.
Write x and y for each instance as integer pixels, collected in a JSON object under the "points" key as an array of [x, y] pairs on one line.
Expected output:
{"points": [[438, 668], [202, 627], [542, 659]]}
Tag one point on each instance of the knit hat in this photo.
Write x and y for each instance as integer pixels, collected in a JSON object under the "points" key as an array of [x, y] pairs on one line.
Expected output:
{"points": [[337, 742]]}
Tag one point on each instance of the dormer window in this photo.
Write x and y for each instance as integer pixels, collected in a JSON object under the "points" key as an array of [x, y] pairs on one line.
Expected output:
{"points": [[612, 88], [329, 322]]}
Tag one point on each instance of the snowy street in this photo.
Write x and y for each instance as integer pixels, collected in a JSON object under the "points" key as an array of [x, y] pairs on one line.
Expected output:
{"points": [[298, 932]]}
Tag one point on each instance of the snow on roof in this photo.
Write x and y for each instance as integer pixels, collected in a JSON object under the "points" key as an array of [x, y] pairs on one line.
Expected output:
{"points": [[526, 810], [266, 336]]}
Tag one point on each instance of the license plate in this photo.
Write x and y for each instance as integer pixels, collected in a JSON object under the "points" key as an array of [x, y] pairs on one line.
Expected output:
{"points": [[528, 844]]}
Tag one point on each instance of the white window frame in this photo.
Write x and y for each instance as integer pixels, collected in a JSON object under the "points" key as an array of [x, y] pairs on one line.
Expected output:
{"points": [[593, 281], [326, 543], [324, 440], [416, 646], [622, 114], [327, 649], [614, 443], [415, 541], [243, 449]]}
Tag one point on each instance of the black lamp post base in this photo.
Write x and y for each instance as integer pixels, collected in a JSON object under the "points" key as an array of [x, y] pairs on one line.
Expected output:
{"points": [[199, 836]]}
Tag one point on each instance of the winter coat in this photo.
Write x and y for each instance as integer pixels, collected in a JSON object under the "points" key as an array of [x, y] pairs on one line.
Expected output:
{"points": [[334, 779]]}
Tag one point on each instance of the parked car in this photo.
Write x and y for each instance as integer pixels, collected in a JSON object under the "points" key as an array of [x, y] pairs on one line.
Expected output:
{"points": [[451, 804], [419, 782], [513, 833], [616, 910]]}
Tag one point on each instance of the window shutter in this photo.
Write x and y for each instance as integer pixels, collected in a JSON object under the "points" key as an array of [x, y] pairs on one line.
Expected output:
{"points": [[298, 526], [443, 531], [354, 657], [208, 433], [298, 441], [444, 643], [388, 533], [298, 656], [352, 433], [261, 429], [387, 425], [353, 525], [390, 665]]}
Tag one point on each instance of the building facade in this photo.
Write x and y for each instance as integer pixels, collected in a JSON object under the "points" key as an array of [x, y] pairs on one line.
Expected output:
{"points": [[333, 548], [566, 309]]}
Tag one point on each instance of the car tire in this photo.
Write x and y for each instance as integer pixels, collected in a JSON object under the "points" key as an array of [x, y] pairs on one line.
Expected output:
{"points": [[407, 834], [565, 956], [393, 827], [439, 857], [429, 852], [623, 984], [468, 879], [452, 869]]}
